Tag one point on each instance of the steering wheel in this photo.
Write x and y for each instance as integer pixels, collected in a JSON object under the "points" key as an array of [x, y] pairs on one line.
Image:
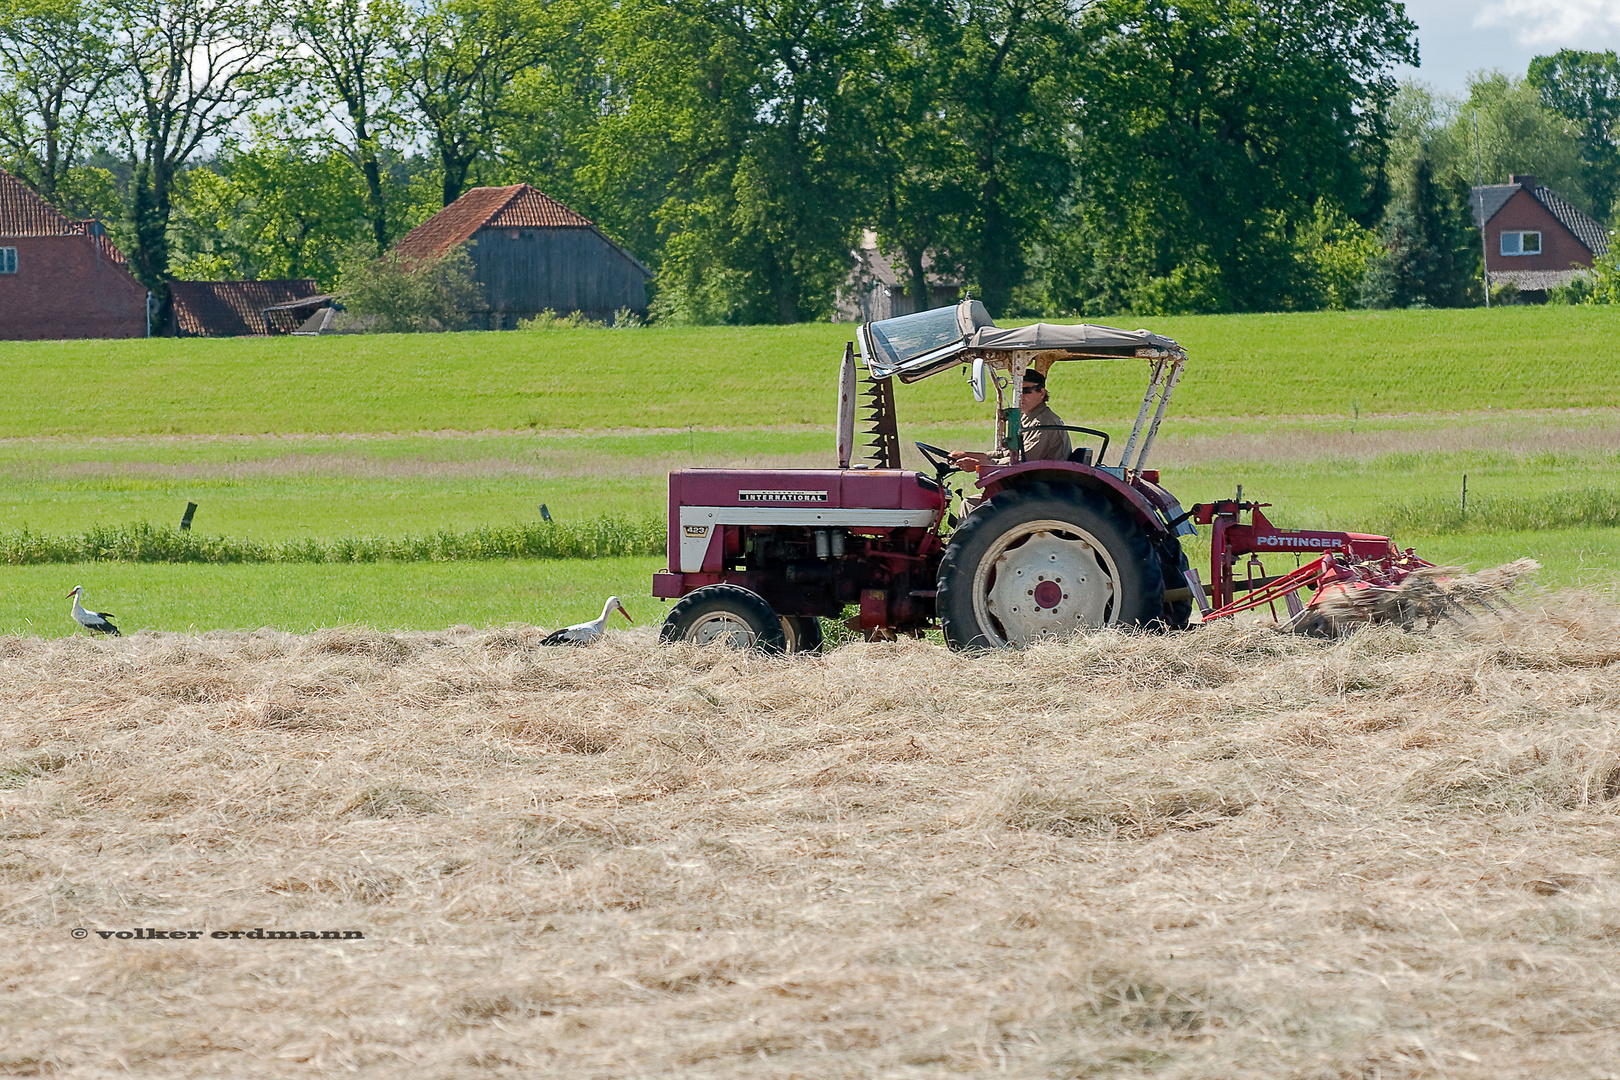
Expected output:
{"points": [[939, 459]]}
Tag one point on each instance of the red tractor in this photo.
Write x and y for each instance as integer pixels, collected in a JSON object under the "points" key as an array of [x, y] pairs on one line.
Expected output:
{"points": [[1041, 550]]}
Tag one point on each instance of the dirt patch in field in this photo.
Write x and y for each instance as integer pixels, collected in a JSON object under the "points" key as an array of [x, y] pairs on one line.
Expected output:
{"points": [[1515, 434], [1223, 853]]}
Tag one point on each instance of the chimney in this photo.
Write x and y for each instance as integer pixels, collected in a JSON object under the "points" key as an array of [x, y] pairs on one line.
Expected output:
{"points": [[1524, 180]]}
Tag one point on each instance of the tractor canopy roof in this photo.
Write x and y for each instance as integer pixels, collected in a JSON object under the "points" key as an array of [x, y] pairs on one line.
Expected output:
{"points": [[927, 342]]}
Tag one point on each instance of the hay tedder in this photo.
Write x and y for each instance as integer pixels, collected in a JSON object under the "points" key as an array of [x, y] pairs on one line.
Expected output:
{"points": [[1034, 550]]}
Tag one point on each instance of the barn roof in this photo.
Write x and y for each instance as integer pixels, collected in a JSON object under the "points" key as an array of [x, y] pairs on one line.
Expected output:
{"points": [[24, 213], [520, 206], [1495, 196], [234, 308]]}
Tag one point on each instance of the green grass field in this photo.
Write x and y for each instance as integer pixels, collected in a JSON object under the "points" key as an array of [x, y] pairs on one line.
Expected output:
{"points": [[1357, 420], [301, 598], [1324, 364]]}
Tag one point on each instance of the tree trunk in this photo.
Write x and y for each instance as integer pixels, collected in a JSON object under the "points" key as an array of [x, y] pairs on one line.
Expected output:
{"points": [[919, 277]]}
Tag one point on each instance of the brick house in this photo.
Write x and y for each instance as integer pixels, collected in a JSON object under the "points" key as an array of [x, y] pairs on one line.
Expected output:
{"points": [[531, 253], [1534, 238], [61, 278]]}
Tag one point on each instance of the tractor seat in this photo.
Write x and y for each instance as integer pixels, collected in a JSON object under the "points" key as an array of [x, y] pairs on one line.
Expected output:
{"points": [[1081, 456]]}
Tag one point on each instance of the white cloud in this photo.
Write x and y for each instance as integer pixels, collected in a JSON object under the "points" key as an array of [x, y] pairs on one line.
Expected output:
{"points": [[1557, 23]]}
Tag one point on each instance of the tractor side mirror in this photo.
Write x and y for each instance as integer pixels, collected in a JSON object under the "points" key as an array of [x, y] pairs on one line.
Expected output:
{"points": [[978, 379]]}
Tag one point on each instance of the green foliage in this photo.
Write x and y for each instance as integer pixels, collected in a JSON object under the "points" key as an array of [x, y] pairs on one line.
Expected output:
{"points": [[1339, 252], [272, 211], [454, 62], [550, 320], [1517, 133], [1584, 88], [147, 543], [1605, 287], [56, 65], [1210, 132], [148, 228], [400, 296], [739, 148], [189, 72], [1580, 289], [346, 46], [1429, 257]]}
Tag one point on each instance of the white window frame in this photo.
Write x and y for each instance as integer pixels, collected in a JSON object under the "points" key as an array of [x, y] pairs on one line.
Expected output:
{"points": [[8, 260], [1519, 236]]}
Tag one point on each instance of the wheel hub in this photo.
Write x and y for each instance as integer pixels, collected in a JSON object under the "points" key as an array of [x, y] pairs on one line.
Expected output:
{"points": [[1047, 581], [721, 626]]}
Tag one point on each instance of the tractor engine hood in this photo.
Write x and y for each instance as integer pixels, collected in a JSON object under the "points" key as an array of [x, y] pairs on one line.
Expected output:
{"points": [[928, 342]]}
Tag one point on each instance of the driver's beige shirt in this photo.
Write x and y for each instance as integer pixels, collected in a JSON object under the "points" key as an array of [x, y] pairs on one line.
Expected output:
{"points": [[1044, 438]]}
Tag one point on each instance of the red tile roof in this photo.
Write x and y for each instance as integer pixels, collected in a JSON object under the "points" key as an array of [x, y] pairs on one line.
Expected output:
{"points": [[521, 206], [23, 213], [233, 308]]}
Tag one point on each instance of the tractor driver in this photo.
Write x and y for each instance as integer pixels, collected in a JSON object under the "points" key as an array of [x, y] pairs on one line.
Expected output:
{"points": [[1042, 429]]}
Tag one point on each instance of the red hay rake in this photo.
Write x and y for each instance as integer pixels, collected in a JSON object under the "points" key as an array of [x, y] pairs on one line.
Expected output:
{"points": [[1353, 578]]}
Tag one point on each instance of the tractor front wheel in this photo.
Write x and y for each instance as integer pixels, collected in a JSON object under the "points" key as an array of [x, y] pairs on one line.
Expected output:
{"points": [[1042, 562], [728, 613]]}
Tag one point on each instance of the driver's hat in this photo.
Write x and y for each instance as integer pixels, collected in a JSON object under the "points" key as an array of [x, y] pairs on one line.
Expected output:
{"points": [[1034, 380]]}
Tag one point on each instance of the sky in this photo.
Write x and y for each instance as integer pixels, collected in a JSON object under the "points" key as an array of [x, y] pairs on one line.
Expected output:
{"points": [[1456, 37]]}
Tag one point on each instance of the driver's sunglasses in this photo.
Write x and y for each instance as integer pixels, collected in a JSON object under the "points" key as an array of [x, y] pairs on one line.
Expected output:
{"points": [[1032, 389]]}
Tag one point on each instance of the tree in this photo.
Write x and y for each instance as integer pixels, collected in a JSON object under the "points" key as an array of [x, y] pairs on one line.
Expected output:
{"points": [[455, 63], [276, 210], [1584, 88], [965, 129], [1009, 102], [190, 70], [1209, 131], [55, 67], [406, 297], [1517, 134], [1431, 248], [732, 135], [348, 45]]}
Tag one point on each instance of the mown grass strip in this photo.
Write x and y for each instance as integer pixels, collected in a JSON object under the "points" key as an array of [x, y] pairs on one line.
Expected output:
{"points": [[144, 542], [1574, 508]]}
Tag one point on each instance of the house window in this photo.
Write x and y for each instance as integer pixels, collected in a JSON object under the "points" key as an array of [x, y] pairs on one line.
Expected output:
{"points": [[8, 260], [1521, 243]]}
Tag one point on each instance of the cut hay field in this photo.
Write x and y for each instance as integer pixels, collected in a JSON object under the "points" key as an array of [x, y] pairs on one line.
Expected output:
{"points": [[1223, 854]]}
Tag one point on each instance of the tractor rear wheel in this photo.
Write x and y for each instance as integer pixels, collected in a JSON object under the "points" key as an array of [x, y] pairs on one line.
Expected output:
{"points": [[728, 613], [1173, 563], [1042, 562], [801, 633]]}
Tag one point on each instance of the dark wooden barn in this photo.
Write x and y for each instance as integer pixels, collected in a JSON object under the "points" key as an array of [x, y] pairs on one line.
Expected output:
{"points": [[532, 254]]}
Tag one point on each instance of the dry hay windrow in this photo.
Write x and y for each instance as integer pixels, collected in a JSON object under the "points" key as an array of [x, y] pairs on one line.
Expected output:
{"points": [[1223, 853]]}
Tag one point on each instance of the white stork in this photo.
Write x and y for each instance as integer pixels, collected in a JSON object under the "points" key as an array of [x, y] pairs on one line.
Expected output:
{"points": [[99, 621], [586, 632]]}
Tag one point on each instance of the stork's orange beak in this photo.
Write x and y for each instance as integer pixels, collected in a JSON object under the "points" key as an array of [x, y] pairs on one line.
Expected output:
{"points": [[626, 614]]}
